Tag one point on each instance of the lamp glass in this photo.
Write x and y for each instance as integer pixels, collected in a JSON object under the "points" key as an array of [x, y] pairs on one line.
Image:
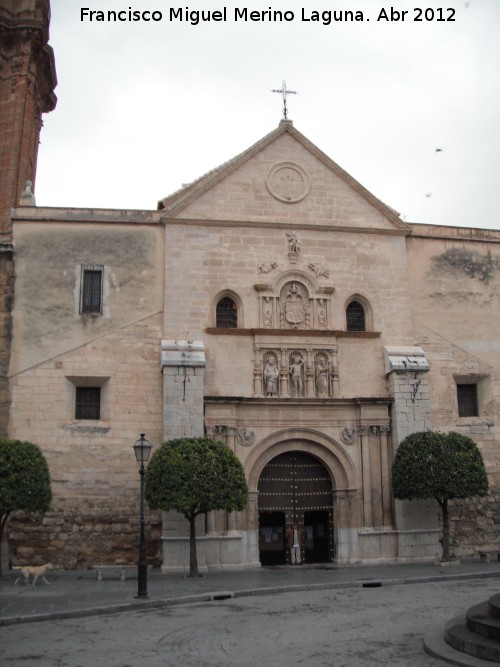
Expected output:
{"points": [[142, 449]]}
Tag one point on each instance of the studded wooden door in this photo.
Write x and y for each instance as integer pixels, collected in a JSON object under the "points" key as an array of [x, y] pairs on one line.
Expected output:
{"points": [[296, 486]]}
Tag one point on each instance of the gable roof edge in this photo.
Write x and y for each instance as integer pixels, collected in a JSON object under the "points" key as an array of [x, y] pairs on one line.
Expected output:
{"points": [[187, 194], [180, 199]]}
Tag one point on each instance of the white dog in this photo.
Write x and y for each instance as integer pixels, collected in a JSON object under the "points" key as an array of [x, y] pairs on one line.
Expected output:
{"points": [[35, 570]]}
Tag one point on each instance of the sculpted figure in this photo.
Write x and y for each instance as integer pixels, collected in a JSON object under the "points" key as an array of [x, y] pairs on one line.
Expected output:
{"points": [[322, 378], [293, 242], [296, 373], [271, 375]]}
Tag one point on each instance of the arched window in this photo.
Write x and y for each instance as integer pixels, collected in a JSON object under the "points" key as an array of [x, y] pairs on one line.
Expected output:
{"points": [[355, 317], [226, 315]]}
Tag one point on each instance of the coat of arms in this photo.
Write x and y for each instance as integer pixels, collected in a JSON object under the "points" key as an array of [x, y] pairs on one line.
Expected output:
{"points": [[294, 306]]}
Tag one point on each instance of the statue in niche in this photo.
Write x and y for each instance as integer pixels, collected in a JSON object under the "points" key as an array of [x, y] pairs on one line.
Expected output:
{"points": [[296, 364], [322, 378], [271, 375]]}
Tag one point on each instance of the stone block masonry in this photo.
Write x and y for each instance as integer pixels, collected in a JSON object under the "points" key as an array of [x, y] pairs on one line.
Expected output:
{"points": [[78, 534], [183, 366]]}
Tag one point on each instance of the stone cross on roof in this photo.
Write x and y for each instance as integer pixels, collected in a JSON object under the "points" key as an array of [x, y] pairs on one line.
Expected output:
{"points": [[284, 92]]}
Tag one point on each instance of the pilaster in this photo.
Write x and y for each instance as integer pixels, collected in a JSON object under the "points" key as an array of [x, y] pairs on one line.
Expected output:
{"points": [[416, 520], [183, 364]]}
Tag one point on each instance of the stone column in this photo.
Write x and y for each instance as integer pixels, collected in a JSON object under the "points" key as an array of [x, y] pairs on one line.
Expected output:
{"points": [[284, 392], [310, 388], [366, 476], [385, 465]]}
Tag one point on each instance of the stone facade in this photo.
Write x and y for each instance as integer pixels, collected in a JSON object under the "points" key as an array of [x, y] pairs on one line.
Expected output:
{"points": [[286, 242], [274, 304]]}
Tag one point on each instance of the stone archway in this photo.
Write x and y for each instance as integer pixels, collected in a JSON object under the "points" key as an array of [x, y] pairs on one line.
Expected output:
{"points": [[295, 487], [336, 470]]}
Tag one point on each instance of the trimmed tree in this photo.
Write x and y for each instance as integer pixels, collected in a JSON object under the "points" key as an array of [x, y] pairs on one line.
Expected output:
{"points": [[195, 476], [24, 480], [444, 466]]}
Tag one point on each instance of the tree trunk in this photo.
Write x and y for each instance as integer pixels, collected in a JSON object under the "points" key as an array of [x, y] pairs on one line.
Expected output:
{"points": [[446, 530], [3, 521], [193, 560]]}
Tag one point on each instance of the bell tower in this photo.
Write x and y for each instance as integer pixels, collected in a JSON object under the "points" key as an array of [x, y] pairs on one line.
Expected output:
{"points": [[27, 82]]}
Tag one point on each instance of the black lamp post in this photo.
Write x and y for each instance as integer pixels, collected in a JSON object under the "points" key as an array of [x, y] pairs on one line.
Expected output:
{"points": [[142, 450]]}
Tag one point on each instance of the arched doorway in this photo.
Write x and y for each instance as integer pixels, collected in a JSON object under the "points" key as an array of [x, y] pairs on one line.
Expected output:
{"points": [[295, 487]]}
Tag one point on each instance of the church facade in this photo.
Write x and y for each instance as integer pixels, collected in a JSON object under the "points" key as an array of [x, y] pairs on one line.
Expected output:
{"points": [[274, 304], [277, 305]]}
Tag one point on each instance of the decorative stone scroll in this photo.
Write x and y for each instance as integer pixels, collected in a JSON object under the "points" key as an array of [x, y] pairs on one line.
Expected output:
{"points": [[296, 372], [294, 300]]}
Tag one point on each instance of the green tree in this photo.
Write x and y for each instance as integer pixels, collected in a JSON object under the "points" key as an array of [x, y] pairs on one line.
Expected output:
{"points": [[24, 480], [195, 476], [444, 466]]}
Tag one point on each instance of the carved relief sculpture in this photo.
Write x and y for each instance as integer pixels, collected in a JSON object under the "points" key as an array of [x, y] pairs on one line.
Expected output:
{"points": [[267, 313], [294, 307], [349, 435], [303, 373], [267, 267], [319, 270], [322, 313], [294, 300]]}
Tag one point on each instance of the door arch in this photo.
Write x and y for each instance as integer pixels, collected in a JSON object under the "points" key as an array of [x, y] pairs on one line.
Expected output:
{"points": [[295, 487]]}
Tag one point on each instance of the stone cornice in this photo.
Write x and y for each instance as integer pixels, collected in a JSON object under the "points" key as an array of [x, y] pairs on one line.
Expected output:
{"points": [[303, 226], [305, 333]]}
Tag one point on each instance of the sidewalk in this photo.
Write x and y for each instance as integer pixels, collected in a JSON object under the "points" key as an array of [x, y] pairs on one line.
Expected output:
{"points": [[78, 593]]}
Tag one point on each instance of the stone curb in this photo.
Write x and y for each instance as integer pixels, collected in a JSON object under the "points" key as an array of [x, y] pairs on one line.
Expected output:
{"points": [[214, 596]]}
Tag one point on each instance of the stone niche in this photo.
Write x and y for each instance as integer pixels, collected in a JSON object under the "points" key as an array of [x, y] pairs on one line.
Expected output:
{"points": [[295, 370]]}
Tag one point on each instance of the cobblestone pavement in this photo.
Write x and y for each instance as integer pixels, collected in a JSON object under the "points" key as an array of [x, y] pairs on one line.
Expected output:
{"points": [[344, 627]]}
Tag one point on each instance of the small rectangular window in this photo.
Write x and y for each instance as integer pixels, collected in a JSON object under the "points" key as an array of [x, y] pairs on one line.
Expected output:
{"points": [[467, 400], [91, 289], [88, 403]]}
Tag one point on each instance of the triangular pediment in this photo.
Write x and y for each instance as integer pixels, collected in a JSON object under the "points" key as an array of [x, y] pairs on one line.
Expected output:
{"points": [[283, 178]]}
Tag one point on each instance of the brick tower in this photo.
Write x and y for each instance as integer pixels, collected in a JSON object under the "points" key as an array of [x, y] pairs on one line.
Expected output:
{"points": [[27, 82]]}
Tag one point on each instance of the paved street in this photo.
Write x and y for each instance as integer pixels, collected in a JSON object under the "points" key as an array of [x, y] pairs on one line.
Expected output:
{"points": [[344, 627]]}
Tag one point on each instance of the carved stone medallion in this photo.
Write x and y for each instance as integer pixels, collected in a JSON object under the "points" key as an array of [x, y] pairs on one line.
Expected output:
{"points": [[288, 182]]}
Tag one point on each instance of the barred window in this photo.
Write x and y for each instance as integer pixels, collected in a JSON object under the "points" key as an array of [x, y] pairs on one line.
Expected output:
{"points": [[88, 403], [467, 400], [91, 289], [227, 313], [355, 317]]}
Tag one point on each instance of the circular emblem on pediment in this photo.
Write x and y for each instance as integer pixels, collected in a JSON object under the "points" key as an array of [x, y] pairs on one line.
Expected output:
{"points": [[288, 182]]}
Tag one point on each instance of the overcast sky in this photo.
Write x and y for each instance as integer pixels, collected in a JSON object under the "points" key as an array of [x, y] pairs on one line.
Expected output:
{"points": [[144, 107]]}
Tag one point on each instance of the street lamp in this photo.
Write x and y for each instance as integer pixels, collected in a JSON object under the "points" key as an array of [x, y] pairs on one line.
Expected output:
{"points": [[142, 450]]}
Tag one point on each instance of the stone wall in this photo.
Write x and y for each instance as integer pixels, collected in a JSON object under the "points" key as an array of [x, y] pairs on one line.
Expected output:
{"points": [[475, 523], [78, 535]]}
